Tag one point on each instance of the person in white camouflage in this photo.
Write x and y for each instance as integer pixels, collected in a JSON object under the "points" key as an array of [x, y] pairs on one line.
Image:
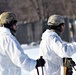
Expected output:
{"points": [[53, 48], [12, 57]]}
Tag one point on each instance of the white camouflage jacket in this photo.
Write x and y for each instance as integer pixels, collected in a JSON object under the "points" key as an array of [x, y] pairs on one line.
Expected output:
{"points": [[12, 57], [53, 49]]}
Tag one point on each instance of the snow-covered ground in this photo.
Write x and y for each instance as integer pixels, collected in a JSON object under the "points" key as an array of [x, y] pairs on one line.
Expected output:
{"points": [[33, 52]]}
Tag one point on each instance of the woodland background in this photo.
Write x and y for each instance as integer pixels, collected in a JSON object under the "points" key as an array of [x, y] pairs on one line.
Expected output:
{"points": [[32, 16]]}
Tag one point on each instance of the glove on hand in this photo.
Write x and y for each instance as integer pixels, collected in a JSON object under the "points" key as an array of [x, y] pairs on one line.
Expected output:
{"points": [[40, 62]]}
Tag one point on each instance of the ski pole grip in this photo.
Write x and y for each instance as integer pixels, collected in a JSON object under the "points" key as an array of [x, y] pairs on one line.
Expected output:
{"points": [[42, 61], [41, 57]]}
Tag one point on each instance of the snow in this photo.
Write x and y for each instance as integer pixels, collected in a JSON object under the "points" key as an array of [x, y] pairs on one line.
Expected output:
{"points": [[33, 52]]}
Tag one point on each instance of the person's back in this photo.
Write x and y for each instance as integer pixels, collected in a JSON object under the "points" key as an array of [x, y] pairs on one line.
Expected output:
{"points": [[6, 65], [53, 61], [52, 48]]}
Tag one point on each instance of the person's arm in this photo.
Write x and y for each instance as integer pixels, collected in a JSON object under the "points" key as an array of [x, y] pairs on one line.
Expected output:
{"points": [[16, 54], [61, 48]]}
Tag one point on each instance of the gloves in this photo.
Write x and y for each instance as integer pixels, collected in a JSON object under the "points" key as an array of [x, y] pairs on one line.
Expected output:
{"points": [[40, 62]]}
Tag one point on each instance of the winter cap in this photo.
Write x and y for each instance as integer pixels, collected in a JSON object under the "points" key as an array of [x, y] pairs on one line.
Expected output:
{"points": [[7, 17], [55, 20]]}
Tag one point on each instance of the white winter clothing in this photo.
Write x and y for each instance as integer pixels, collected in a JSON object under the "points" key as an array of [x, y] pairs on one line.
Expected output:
{"points": [[53, 49], [12, 57]]}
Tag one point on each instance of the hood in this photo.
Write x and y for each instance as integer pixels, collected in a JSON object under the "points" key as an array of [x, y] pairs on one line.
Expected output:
{"points": [[47, 33], [4, 30]]}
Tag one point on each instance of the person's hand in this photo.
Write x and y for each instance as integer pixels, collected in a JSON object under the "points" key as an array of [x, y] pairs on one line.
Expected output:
{"points": [[40, 62]]}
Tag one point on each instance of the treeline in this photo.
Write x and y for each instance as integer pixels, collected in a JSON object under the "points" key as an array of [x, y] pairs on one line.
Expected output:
{"points": [[32, 17], [36, 10]]}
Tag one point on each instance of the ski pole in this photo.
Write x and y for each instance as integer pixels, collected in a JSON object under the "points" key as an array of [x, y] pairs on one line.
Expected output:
{"points": [[42, 71], [42, 66], [41, 58], [37, 71]]}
